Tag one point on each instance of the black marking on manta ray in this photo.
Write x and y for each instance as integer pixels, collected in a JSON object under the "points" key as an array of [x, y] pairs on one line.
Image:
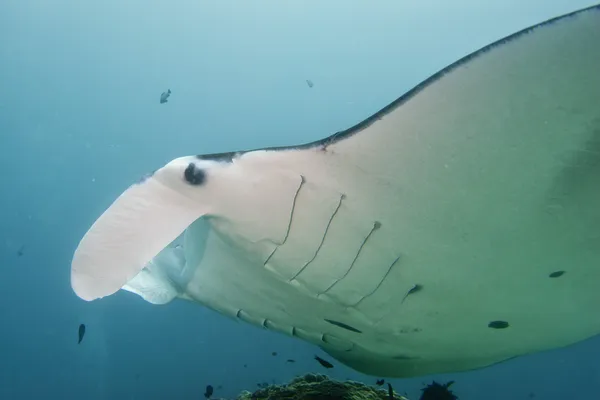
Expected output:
{"points": [[376, 225], [345, 134], [556, 274], [287, 233], [221, 157], [194, 175], [405, 331], [378, 285], [342, 197], [342, 325], [498, 325], [416, 288]]}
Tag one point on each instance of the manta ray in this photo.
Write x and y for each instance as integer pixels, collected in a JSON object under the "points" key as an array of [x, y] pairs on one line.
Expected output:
{"points": [[456, 228]]}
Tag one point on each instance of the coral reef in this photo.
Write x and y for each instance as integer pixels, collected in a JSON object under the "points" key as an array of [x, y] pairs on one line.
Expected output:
{"points": [[319, 387]]}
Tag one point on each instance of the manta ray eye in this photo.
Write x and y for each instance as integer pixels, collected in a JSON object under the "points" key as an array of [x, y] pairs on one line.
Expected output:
{"points": [[194, 175]]}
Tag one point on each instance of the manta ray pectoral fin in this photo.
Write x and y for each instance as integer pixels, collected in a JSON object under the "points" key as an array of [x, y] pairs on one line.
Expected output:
{"points": [[456, 228], [136, 227]]}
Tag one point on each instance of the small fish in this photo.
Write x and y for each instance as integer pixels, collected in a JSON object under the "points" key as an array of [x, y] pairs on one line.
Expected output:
{"points": [[324, 363], [380, 382], [81, 332], [274, 353], [289, 360], [390, 391], [209, 391], [245, 365], [164, 96], [20, 251], [309, 83]]}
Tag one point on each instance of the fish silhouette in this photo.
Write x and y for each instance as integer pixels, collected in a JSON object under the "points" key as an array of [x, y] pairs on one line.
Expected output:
{"points": [[209, 391], [81, 332], [164, 96], [324, 363]]}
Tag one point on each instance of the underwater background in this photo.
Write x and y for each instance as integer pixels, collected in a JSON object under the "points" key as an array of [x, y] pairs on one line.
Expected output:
{"points": [[80, 120]]}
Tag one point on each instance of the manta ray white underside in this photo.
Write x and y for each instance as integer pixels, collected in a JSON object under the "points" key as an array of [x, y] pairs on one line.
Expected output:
{"points": [[456, 228]]}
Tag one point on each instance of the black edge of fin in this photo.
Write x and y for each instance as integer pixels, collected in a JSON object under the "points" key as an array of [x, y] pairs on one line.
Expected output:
{"points": [[338, 136], [220, 157]]}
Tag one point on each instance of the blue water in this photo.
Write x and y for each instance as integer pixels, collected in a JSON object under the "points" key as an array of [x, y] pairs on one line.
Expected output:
{"points": [[80, 121]]}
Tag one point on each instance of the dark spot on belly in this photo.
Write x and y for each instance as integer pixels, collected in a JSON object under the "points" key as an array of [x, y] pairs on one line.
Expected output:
{"points": [[194, 175], [410, 330], [498, 325], [342, 325], [557, 274], [415, 289]]}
